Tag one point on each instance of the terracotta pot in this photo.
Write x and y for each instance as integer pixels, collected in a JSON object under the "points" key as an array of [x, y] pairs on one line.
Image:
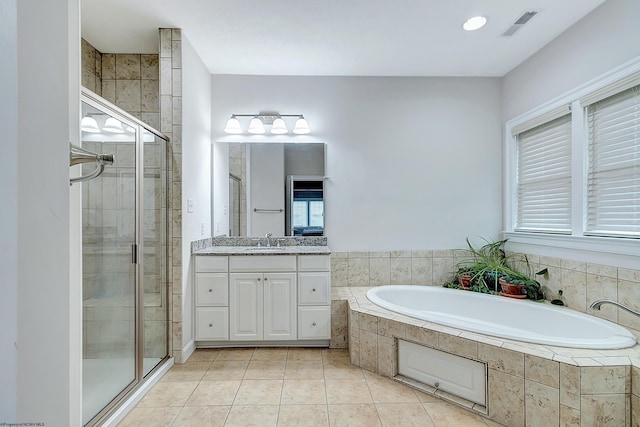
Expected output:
{"points": [[510, 288], [464, 281]]}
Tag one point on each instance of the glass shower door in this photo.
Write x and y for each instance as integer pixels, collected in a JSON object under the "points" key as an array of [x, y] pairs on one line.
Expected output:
{"points": [[154, 230], [109, 276]]}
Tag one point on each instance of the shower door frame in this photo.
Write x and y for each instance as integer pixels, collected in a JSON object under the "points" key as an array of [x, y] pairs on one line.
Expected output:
{"points": [[96, 101]]}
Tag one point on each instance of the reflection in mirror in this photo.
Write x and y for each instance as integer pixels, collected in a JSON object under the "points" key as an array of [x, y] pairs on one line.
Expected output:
{"points": [[305, 199], [262, 199], [234, 205]]}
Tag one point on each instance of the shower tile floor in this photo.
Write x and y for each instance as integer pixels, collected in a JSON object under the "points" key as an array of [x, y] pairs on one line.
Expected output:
{"points": [[299, 387]]}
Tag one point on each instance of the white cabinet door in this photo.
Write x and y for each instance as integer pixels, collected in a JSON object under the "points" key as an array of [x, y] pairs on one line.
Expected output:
{"points": [[280, 306], [245, 306], [212, 323]]}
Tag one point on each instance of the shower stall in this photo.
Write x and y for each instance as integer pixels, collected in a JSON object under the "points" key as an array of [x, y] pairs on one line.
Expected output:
{"points": [[125, 315]]}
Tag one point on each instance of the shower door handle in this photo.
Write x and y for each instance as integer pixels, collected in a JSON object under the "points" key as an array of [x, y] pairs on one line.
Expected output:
{"points": [[134, 254]]}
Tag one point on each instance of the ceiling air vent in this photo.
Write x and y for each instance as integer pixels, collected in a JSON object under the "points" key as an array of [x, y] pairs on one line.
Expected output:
{"points": [[526, 17]]}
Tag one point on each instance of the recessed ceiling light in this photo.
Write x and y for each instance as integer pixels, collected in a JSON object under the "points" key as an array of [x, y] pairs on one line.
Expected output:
{"points": [[474, 23]]}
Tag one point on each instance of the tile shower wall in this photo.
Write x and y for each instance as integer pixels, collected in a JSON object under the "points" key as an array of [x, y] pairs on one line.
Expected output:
{"points": [[581, 282], [91, 67], [170, 74], [130, 81]]}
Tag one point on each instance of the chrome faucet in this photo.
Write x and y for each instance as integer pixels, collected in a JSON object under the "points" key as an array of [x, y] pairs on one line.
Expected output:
{"points": [[268, 237], [597, 303]]}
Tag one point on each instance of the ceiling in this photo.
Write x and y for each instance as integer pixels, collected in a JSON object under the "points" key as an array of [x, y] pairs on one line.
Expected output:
{"points": [[336, 38]]}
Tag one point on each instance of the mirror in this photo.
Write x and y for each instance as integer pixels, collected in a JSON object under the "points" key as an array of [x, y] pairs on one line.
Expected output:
{"points": [[276, 188]]}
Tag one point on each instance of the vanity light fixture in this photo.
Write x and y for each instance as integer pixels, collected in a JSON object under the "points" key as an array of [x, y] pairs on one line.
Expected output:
{"points": [[233, 126], [256, 126], [113, 125], [279, 127], [474, 23], [89, 124], [302, 127], [273, 119]]}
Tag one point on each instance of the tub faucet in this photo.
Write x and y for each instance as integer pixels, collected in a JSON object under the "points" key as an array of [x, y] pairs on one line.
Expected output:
{"points": [[597, 303]]}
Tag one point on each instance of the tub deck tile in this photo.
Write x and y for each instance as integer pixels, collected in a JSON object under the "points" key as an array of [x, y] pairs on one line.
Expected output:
{"points": [[532, 374], [586, 361]]}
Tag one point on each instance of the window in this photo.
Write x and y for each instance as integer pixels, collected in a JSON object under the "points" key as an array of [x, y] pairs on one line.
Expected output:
{"points": [[573, 172], [613, 179], [544, 177]]}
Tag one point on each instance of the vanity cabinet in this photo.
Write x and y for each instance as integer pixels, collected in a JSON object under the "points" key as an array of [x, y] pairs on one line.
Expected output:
{"points": [[274, 298], [314, 297], [211, 298]]}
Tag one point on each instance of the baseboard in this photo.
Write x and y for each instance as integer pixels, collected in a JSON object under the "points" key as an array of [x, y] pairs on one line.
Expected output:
{"points": [[188, 350]]}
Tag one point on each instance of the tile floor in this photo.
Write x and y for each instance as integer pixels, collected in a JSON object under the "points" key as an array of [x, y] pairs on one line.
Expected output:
{"points": [[287, 387]]}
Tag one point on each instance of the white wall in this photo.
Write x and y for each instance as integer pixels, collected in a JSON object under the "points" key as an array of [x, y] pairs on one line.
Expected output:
{"points": [[604, 39], [48, 68], [9, 211], [196, 170], [414, 163]]}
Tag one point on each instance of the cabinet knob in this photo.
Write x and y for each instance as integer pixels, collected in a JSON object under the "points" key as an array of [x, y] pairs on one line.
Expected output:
{"points": [[211, 325], [314, 289], [314, 323], [266, 278], [210, 290], [259, 279]]}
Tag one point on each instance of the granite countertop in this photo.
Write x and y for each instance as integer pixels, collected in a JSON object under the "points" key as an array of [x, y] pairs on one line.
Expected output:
{"points": [[254, 250]]}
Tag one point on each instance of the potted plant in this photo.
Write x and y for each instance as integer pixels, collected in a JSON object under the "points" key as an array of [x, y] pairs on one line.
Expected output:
{"points": [[486, 265], [513, 286]]}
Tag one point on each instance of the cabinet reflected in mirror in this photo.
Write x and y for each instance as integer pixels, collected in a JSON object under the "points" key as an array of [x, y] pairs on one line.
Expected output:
{"points": [[276, 188]]}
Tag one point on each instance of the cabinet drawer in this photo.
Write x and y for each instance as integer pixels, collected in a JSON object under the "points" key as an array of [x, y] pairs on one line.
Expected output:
{"points": [[211, 263], [212, 289], [314, 262], [314, 288], [212, 323], [314, 323], [262, 263]]}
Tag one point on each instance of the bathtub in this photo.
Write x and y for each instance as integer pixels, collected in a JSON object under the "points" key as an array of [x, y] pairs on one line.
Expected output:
{"points": [[502, 317]]}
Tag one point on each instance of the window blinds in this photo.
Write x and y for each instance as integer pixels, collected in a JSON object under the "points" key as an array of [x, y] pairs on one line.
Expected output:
{"points": [[544, 177], [613, 179]]}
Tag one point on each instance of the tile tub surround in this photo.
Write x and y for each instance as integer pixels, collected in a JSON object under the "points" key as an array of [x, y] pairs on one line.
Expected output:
{"points": [[528, 384], [581, 282]]}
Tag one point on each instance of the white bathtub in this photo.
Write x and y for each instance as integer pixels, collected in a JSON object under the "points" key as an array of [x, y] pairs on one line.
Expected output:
{"points": [[503, 317]]}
